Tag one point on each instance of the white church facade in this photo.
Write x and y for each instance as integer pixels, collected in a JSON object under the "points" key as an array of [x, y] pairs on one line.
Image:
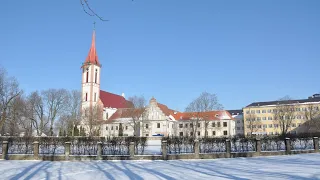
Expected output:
{"points": [[118, 117]]}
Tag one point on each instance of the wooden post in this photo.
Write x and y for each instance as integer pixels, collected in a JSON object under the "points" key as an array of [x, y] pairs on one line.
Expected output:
{"points": [[36, 150], [196, 149], [4, 150], [164, 150], [131, 150], [67, 150], [316, 144], [288, 145], [258, 145], [99, 153], [228, 148]]}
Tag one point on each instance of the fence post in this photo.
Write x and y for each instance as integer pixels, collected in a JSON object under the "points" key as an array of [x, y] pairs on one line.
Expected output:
{"points": [[228, 148], [67, 150], [316, 144], [258, 145], [164, 149], [131, 150], [288, 145], [196, 149], [4, 149], [99, 153], [36, 150]]}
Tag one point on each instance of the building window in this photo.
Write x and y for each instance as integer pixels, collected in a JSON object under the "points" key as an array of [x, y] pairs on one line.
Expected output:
{"points": [[206, 133], [269, 118], [253, 119], [299, 124], [198, 133], [258, 118], [158, 125], [218, 124], [275, 125], [172, 125], [107, 116], [225, 124], [293, 125], [270, 125], [213, 124], [116, 127], [191, 125], [147, 126], [238, 128], [247, 112], [259, 126], [180, 125], [238, 121], [95, 97], [264, 126], [126, 127], [147, 134], [263, 111], [95, 76], [248, 126], [258, 111], [106, 127], [181, 133], [198, 124], [191, 133], [186, 125], [225, 133], [111, 127], [254, 126], [252, 111], [269, 111], [87, 76], [86, 96], [264, 118]]}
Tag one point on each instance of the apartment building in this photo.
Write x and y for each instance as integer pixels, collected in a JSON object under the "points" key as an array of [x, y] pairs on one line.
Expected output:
{"points": [[281, 117]]}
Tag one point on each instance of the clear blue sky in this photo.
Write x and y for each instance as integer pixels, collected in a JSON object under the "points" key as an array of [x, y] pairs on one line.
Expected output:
{"points": [[244, 51]]}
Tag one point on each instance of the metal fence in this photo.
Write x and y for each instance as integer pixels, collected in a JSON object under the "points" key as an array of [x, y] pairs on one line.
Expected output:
{"points": [[272, 144]]}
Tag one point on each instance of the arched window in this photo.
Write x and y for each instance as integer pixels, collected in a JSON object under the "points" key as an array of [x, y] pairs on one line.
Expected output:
{"points": [[95, 97], [86, 96], [96, 76], [87, 76]]}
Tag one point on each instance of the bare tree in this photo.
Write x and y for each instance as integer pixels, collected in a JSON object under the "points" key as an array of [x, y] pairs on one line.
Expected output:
{"points": [[15, 116], [284, 114], [204, 103], [137, 113], [35, 112], [55, 101], [252, 123], [311, 114], [91, 119], [9, 90], [86, 7]]}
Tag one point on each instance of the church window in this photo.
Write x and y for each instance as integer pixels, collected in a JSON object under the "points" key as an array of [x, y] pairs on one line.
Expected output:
{"points": [[126, 127], [86, 96], [107, 116], [95, 97], [87, 76], [147, 126], [106, 127], [158, 125], [116, 127], [96, 75]]}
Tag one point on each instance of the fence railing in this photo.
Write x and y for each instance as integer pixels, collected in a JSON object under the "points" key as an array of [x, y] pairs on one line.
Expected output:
{"points": [[167, 148]]}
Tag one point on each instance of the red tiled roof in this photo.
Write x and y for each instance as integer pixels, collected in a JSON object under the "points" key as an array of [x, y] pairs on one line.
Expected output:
{"points": [[126, 113], [210, 115], [165, 109], [114, 100], [93, 56]]}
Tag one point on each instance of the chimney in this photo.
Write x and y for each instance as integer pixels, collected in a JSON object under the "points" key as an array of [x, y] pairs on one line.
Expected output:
{"points": [[123, 95]]}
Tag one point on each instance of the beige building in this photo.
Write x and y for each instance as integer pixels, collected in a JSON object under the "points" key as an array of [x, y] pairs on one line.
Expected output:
{"points": [[281, 117]]}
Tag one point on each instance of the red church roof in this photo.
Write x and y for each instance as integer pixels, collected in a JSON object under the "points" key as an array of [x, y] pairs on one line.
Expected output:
{"points": [[114, 100], [93, 56]]}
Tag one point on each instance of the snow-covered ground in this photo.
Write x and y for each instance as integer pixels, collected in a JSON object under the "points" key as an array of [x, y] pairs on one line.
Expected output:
{"points": [[304, 166]]}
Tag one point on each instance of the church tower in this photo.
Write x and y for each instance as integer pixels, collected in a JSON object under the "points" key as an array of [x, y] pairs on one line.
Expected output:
{"points": [[91, 77]]}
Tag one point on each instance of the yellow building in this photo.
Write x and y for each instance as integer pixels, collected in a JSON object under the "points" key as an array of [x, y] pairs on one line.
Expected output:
{"points": [[282, 117]]}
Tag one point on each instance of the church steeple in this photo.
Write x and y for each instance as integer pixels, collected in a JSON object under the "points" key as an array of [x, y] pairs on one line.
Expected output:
{"points": [[92, 57]]}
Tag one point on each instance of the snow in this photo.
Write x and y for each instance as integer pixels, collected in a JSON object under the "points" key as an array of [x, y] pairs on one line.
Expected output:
{"points": [[303, 166]]}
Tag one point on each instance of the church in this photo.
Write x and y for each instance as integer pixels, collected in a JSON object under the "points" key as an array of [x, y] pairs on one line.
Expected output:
{"points": [[118, 117]]}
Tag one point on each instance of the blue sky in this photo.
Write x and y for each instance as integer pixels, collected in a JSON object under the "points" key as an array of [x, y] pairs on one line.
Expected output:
{"points": [[244, 51]]}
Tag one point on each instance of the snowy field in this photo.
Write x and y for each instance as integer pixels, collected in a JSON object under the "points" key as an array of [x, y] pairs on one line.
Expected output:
{"points": [[304, 166]]}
